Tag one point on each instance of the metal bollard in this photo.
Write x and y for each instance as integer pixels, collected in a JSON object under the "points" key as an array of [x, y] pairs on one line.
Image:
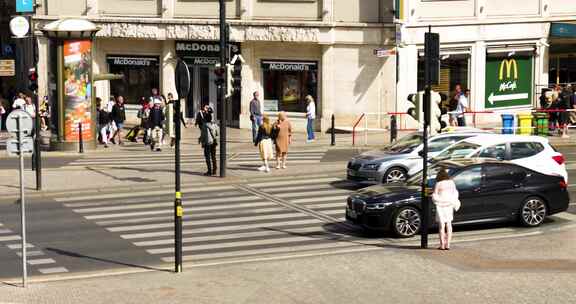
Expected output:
{"points": [[80, 141], [333, 132], [393, 129]]}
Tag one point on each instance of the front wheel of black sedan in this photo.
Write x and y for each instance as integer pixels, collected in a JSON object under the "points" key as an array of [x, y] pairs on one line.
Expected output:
{"points": [[533, 212], [406, 222]]}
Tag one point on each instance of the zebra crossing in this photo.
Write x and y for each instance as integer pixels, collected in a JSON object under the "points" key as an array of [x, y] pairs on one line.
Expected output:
{"points": [[227, 222], [258, 219], [36, 258], [166, 158]]}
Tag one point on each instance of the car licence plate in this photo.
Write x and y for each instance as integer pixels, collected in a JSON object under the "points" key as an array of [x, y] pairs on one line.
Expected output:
{"points": [[351, 214]]}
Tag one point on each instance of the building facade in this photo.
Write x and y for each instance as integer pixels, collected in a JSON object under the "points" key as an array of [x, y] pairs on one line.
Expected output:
{"points": [[505, 52], [292, 48]]}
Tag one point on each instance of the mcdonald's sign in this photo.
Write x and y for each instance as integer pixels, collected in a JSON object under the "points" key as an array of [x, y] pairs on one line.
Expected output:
{"points": [[511, 66], [508, 81]]}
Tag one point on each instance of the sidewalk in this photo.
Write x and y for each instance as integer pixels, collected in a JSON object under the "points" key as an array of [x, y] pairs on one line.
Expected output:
{"points": [[539, 269]]}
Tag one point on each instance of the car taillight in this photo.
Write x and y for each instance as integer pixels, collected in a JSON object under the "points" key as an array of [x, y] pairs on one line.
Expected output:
{"points": [[563, 184], [559, 159]]}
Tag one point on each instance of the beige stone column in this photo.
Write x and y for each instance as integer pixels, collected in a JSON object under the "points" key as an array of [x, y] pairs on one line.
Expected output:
{"points": [[251, 81], [168, 67], [246, 9], [168, 7], [327, 98], [328, 10], [92, 7], [43, 79]]}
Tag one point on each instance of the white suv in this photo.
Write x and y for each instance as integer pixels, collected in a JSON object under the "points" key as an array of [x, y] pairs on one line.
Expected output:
{"points": [[532, 152]]}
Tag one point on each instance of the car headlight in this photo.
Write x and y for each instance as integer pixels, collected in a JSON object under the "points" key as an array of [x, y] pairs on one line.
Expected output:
{"points": [[371, 167], [378, 206]]}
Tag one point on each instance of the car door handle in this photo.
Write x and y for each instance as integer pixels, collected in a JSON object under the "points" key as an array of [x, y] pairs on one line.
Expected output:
{"points": [[517, 185]]}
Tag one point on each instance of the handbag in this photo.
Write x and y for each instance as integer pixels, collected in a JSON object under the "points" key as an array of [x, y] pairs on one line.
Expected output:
{"points": [[456, 205]]}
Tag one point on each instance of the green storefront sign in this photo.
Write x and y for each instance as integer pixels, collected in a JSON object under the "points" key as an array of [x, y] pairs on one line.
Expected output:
{"points": [[508, 81]]}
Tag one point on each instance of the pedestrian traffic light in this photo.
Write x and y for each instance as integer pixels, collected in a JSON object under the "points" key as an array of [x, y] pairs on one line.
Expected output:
{"points": [[32, 80], [436, 122], [416, 109], [219, 72]]}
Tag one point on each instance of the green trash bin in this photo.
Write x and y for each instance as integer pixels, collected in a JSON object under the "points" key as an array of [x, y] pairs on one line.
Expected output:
{"points": [[541, 124]]}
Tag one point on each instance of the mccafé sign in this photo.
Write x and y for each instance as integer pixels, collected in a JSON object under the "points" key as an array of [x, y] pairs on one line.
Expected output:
{"points": [[510, 66]]}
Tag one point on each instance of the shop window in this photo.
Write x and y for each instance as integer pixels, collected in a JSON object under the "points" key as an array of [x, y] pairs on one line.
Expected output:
{"points": [[453, 71], [286, 85], [141, 74]]}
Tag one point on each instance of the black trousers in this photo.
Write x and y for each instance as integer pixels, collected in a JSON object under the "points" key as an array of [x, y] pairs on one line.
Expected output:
{"points": [[210, 156]]}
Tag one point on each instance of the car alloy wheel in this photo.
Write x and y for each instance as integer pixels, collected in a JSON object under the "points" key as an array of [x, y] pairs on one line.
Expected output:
{"points": [[407, 222], [533, 212], [395, 175]]}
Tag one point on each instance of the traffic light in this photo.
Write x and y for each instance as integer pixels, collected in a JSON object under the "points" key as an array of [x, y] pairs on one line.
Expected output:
{"points": [[32, 80], [416, 109], [436, 122], [219, 72]]}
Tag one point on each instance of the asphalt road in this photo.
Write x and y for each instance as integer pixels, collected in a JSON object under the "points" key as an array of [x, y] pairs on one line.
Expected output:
{"points": [[264, 219]]}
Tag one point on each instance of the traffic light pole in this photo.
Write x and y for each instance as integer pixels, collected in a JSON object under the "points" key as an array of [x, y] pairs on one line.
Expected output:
{"points": [[37, 150], [222, 107]]}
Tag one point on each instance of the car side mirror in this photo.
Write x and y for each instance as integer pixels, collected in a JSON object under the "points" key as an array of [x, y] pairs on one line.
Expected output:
{"points": [[421, 153]]}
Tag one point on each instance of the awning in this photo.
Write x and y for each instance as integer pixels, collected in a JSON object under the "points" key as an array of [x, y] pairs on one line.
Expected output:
{"points": [[510, 49], [563, 30], [449, 51]]}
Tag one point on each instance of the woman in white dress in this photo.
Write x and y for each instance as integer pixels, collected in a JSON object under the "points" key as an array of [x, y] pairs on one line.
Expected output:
{"points": [[445, 197]]}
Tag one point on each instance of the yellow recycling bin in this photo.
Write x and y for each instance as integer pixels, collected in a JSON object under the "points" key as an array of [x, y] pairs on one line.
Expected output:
{"points": [[524, 123]]}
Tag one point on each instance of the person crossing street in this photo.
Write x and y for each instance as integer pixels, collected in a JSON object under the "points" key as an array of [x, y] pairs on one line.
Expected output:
{"points": [[157, 118]]}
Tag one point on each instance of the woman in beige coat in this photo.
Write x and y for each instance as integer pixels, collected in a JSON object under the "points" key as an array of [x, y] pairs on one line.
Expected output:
{"points": [[283, 138]]}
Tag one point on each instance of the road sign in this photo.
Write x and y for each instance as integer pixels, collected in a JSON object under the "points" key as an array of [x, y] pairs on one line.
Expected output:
{"points": [[508, 81], [19, 26], [25, 6], [14, 149], [26, 122], [7, 67]]}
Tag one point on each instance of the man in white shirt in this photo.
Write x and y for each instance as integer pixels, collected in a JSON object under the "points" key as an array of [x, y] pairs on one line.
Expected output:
{"points": [[311, 116], [463, 107]]}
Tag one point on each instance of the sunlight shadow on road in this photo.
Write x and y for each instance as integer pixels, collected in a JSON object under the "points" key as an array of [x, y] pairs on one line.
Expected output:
{"points": [[123, 179], [82, 256]]}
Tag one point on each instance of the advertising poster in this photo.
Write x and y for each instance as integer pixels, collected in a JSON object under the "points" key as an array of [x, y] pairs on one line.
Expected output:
{"points": [[77, 89], [291, 89], [508, 82]]}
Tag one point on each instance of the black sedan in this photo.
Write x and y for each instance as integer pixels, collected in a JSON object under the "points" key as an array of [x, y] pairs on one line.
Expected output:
{"points": [[489, 191]]}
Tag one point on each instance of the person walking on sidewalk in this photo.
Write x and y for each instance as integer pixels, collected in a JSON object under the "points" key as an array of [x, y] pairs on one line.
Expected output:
{"points": [[264, 143], [255, 115], [118, 116], [209, 140], [283, 134], [103, 123], [157, 118], [445, 197], [310, 116], [462, 107]]}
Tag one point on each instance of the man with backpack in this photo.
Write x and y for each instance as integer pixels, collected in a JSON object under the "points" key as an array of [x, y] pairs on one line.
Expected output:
{"points": [[209, 135]]}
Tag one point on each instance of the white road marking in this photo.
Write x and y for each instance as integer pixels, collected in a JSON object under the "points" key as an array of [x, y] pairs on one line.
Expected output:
{"points": [[326, 192], [320, 199], [52, 270], [250, 218], [6, 231], [140, 193], [219, 229], [31, 253], [41, 261], [19, 246], [232, 236], [9, 238], [306, 181]]}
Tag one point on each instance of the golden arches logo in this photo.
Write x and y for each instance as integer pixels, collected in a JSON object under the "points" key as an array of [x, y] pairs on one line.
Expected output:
{"points": [[510, 65]]}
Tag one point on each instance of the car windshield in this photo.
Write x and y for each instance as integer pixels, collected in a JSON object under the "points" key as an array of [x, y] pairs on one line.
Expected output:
{"points": [[416, 179], [459, 150], [405, 144]]}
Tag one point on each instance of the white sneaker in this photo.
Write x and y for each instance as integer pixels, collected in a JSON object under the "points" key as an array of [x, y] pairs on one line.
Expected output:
{"points": [[263, 168], [267, 169], [565, 136]]}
